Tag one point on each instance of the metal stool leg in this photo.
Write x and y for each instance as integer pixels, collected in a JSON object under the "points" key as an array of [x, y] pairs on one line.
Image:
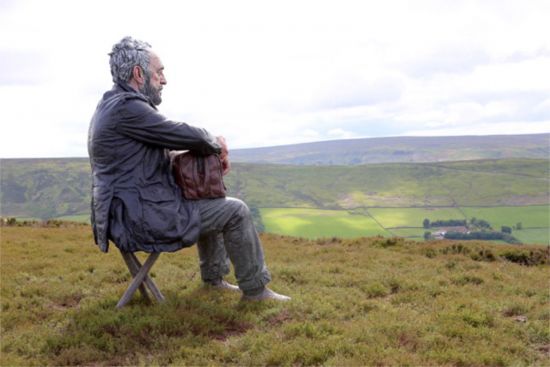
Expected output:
{"points": [[134, 267], [148, 281], [139, 278]]}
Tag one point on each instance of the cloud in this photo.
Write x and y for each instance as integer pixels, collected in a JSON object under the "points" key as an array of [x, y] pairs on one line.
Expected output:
{"points": [[458, 58], [279, 73], [23, 67], [341, 134], [351, 91], [501, 128]]}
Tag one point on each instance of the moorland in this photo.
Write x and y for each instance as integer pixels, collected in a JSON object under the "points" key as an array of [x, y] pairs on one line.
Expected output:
{"points": [[356, 302]]}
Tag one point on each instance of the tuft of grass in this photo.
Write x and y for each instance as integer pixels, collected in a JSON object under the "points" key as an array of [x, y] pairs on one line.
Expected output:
{"points": [[360, 301]]}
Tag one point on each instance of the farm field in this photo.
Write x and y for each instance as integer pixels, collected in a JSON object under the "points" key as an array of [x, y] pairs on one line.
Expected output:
{"points": [[534, 216], [81, 218], [534, 235], [412, 217], [356, 302], [401, 222], [317, 223], [412, 233]]}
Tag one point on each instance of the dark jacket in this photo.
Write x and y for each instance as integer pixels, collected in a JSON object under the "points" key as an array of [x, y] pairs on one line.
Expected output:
{"points": [[135, 201]]}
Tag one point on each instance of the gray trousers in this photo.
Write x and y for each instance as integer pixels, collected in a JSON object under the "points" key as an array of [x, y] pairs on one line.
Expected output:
{"points": [[228, 233]]}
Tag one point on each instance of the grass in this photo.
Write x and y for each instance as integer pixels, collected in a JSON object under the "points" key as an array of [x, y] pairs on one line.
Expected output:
{"points": [[81, 218], [315, 223], [537, 235], [534, 216], [417, 233], [412, 217], [401, 222], [363, 301], [52, 188]]}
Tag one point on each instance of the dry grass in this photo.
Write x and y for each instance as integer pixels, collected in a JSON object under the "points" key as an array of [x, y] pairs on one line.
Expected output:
{"points": [[368, 301]]}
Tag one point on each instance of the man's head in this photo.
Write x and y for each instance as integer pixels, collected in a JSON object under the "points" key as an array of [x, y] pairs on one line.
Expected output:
{"points": [[134, 63]]}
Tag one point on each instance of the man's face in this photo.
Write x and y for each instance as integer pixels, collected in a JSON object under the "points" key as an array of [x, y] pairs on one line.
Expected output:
{"points": [[154, 80]]}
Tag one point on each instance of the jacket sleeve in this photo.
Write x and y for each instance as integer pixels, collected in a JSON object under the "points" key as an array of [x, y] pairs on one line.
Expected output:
{"points": [[142, 122]]}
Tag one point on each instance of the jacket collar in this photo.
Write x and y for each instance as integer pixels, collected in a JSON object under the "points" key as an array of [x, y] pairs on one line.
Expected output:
{"points": [[120, 86], [125, 87]]}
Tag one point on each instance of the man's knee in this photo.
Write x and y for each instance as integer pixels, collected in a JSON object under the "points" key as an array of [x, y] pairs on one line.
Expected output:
{"points": [[241, 212], [239, 206]]}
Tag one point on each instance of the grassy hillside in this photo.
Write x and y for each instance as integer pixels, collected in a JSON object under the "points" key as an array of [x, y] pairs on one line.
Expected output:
{"points": [[401, 149], [44, 188], [366, 301], [388, 199], [49, 188], [481, 183]]}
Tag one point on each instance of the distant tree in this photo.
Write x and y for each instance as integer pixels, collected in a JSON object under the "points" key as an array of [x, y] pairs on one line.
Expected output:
{"points": [[506, 229], [426, 223], [427, 235], [485, 235], [448, 223], [257, 219], [519, 226], [483, 224]]}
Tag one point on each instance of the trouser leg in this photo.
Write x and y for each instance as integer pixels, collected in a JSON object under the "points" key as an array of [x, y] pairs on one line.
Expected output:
{"points": [[214, 262], [232, 219]]}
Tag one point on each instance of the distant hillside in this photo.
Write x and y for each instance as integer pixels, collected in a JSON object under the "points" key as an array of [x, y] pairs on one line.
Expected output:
{"points": [[49, 188], [400, 149], [44, 188], [471, 183]]}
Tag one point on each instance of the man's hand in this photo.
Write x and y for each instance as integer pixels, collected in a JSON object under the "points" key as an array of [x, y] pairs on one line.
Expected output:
{"points": [[224, 155]]}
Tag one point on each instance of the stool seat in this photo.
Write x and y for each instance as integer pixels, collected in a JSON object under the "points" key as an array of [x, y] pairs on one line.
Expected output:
{"points": [[141, 278]]}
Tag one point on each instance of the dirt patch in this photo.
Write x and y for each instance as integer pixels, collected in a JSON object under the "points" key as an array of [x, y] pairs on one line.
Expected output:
{"points": [[279, 318], [232, 328], [544, 349]]}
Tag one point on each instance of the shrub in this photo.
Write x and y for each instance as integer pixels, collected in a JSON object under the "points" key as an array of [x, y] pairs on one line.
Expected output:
{"points": [[506, 229]]}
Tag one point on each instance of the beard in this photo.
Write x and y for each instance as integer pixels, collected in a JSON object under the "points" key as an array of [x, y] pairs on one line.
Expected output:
{"points": [[151, 92]]}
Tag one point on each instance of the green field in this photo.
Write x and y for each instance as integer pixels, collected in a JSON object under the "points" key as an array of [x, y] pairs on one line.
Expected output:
{"points": [[316, 223], [412, 217], [534, 235], [413, 233], [82, 218], [401, 222], [534, 216]]}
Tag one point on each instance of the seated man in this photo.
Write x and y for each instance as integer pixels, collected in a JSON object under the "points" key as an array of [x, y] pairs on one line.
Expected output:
{"points": [[135, 201]]}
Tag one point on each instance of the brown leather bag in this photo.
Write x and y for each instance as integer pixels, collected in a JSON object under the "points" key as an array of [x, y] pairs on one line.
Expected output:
{"points": [[199, 177]]}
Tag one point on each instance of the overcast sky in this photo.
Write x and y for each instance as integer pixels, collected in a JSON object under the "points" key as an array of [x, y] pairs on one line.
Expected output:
{"points": [[267, 73]]}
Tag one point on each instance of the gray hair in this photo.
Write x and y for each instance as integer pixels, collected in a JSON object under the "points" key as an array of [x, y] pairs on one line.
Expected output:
{"points": [[126, 54]]}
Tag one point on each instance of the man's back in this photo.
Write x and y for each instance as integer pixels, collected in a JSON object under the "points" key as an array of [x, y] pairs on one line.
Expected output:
{"points": [[135, 201]]}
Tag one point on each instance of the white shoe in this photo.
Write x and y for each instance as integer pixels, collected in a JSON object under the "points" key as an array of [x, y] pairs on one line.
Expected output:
{"points": [[265, 295], [222, 284]]}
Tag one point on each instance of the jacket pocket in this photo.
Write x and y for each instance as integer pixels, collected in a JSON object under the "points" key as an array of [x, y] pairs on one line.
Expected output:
{"points": [[160, 212]]}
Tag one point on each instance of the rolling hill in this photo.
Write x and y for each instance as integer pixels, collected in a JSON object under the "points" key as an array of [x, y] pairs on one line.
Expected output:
{"points": [[50, 188], [366, 199], [400, 149]]}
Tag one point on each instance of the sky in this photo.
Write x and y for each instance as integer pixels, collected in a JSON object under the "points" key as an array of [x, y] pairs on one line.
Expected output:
{"points": [[264, 73]]}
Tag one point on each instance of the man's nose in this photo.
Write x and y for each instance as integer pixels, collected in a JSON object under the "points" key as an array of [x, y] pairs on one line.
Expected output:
{"points": [[163, 80]]}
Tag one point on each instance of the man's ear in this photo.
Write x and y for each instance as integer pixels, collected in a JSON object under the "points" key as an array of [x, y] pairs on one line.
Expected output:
{"points": [[137, 75]]}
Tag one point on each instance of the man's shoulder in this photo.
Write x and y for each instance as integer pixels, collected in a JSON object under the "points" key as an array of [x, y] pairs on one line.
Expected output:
{"points": [[117, 101], [122, 96]]}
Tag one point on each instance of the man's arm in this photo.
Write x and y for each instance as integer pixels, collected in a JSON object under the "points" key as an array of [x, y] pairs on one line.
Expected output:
{"points": [[142, 122], [224, 155]]}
